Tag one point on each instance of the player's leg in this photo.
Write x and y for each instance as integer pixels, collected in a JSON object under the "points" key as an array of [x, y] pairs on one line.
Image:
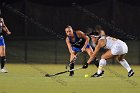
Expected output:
{"points": [[71, 63], [2, 55], [122, 50], [125, 64], [102, 63], [95, 61], [72, 59], [3, 59]]}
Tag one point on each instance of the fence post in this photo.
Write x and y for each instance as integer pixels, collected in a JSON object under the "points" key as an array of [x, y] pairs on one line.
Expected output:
{"points": [[25, 32]]}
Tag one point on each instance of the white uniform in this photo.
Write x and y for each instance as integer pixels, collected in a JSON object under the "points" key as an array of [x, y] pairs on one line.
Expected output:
{"points": [[116, 46]]}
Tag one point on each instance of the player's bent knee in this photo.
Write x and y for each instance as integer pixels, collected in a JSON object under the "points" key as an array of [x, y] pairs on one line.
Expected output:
{"points": [[103, 57], [120, 58]]}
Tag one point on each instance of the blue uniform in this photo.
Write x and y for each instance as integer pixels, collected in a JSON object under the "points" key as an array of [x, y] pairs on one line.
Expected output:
{"points": [[78, 43], [2, 43]]}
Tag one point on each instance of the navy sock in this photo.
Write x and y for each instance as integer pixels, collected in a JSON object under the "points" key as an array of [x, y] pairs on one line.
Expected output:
{"points": [[3, 60], [71, 66]]}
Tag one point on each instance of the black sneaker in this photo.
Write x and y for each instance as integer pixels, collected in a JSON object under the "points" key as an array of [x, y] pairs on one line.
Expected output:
{"points": [[97, 74], [94, 74], [102, 72], [71, 73], [130, 73]]}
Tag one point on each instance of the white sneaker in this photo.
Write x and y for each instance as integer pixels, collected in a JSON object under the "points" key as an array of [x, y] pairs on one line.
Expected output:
{"points": [[3, 70]]}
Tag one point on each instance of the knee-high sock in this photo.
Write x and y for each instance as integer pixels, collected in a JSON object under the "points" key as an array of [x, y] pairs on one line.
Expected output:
{"points": [[102, 63], [71, 66], [3, 60], [125, 65]]}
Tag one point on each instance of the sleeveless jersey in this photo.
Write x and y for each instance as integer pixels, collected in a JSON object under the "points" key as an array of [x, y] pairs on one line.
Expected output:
{"points": [[110, 41], [78, 42]]}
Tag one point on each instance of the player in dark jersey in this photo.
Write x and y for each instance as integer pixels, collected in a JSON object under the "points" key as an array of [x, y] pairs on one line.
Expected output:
{"points": [[77, 41], [3, 29]]}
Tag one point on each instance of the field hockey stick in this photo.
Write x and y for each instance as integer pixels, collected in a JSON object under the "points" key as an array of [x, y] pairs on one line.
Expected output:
{"points": [[73, 61], [50, 75], [68, 64]]}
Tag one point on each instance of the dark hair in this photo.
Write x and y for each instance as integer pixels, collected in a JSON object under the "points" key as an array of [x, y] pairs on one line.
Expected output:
{"points": [[98, 27], [94, 33], [68, 26]]}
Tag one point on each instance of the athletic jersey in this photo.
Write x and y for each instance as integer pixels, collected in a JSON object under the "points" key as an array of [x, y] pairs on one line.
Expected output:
{"points": [[78, 42], [110, 41], [2, 43], [0, 26]]}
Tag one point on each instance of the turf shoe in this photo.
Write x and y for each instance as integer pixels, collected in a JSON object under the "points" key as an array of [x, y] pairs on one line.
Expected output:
{"points": [[102, 72], [98, 75], [130, 73], [3, 70]]}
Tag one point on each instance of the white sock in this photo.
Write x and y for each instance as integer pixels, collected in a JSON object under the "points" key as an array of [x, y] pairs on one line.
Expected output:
{"points": [[125, 65], [101, 64]]}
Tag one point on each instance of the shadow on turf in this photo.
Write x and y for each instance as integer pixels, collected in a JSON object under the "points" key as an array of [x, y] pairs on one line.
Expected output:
{"points": [[58, 80], [132, 82]]}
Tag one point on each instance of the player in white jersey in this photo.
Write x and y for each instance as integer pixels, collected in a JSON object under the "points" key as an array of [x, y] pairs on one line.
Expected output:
{"points": [[115, 48]]}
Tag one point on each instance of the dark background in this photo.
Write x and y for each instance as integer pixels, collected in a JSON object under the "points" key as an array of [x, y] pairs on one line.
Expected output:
{"points": [[37, 26]]}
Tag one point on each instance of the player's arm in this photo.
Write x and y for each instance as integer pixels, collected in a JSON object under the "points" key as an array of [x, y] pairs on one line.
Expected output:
{"points": [[5, 29], [92, 57], [69, 46], [95, 52], [83, 35], [72, 53]]}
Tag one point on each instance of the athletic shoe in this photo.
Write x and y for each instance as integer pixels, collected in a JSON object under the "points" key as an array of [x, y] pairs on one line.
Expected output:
{"points": [[3, 70], [103, 72], [71, 73], [130, 73], [98, 75]]}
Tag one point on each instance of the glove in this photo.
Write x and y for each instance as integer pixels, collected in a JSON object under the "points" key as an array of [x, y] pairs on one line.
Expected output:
{"points": [[85, 65]]}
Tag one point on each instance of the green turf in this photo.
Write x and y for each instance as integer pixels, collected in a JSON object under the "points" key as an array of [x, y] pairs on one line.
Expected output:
{"points": [[29, 78]]}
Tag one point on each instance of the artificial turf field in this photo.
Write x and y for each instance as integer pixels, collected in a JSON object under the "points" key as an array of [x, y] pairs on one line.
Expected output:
{"points": [[29, 78]]}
